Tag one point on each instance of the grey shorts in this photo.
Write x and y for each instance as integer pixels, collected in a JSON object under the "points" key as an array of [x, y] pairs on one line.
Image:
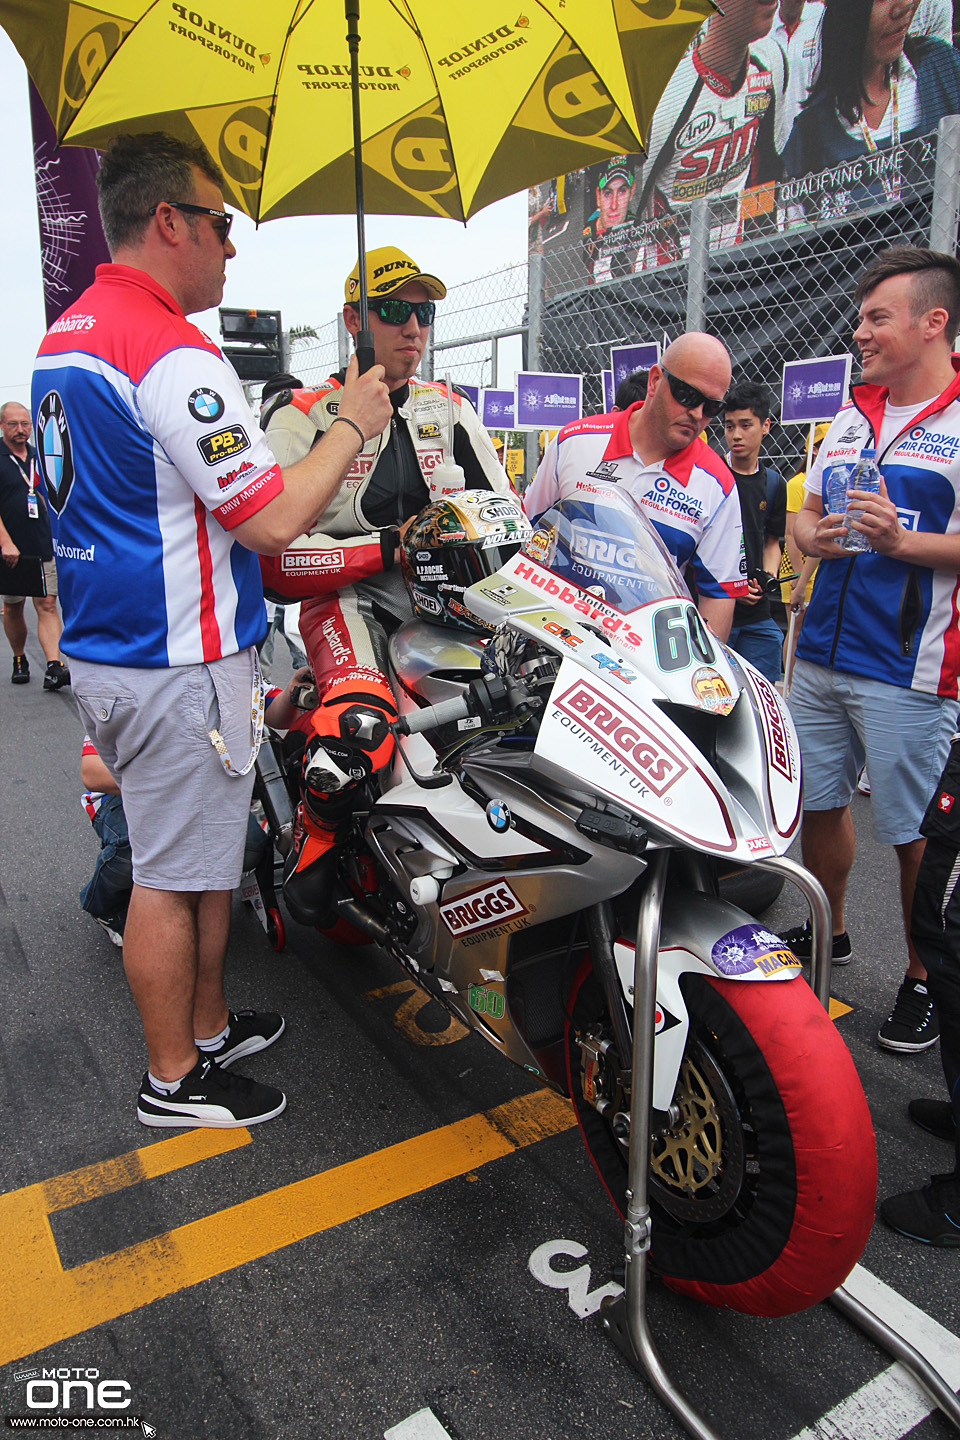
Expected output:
{"points": [[49, 579], [186, 816]]}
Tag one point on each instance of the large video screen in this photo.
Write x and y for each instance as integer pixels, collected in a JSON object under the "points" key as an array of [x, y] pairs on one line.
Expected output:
{"points": [[780, 112]]}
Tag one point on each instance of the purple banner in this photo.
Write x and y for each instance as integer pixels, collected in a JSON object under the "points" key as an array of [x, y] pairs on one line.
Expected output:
{"points": [[497, 413], [71, 238], [624, 359], [814, 389], [547, 401], [607, 378]]}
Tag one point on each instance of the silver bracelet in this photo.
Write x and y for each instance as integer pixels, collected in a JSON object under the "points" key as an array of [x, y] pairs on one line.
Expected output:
{"points": [[345, 420]]}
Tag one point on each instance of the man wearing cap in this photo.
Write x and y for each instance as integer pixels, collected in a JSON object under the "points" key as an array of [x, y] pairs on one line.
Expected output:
{"points": [[608, 254], [345, 570], [654, 451]]}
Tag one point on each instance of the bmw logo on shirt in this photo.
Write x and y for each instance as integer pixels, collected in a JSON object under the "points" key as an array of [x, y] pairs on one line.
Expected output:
{"points": [[205, 405], [498, 816]]}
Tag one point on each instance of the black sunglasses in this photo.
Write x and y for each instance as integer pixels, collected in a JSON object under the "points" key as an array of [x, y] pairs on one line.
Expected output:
{"points": [[222, 221], [398, 312], [690, 397]]}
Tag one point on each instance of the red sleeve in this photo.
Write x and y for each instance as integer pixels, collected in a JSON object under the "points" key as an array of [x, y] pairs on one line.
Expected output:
{"points": [[316, 565]]}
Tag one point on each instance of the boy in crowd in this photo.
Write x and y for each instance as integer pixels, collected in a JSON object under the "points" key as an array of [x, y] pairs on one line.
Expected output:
{"points": [[763, 508]]}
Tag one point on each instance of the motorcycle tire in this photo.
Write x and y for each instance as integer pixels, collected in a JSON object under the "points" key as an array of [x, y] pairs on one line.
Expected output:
{"points": [[763, 1196]]}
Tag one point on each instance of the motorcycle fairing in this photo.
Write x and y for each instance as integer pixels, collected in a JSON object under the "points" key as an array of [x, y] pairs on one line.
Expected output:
{"points": [[692, 928]]}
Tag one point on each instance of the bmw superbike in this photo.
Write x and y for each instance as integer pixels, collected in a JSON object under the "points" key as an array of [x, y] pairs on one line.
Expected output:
{"points": [[579, 731]]}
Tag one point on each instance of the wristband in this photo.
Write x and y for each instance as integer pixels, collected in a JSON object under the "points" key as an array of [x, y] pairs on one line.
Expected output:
{"points": [[345, 420]]}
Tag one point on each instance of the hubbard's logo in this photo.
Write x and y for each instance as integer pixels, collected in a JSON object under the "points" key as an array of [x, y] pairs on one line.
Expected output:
{"points": [[54, 450]]}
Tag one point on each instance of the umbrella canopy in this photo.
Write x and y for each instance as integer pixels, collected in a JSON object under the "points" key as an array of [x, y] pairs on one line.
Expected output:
{"points": [[460, 104]]}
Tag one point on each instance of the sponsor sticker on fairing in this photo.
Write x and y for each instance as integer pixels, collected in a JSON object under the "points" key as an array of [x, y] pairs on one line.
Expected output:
{"points": [[307, 560], [481, 909], [623, 735]]}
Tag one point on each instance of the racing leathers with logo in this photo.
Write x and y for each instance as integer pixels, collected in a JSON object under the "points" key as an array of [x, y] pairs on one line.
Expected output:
{"points": [[353, 595]]}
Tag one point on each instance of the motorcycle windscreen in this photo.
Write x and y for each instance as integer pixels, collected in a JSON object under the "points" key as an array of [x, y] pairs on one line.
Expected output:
{"points": [[600, 540]]}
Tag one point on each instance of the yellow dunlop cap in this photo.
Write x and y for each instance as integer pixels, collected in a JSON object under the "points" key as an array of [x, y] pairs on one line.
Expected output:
{"points": [[388, 269]]}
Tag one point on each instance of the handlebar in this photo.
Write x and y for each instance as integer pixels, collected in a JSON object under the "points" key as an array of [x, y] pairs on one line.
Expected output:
{"points": [[431, 717]]}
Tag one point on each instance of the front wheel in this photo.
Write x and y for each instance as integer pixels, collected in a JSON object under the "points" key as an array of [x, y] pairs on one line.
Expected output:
{"points": [[763, 1191]]}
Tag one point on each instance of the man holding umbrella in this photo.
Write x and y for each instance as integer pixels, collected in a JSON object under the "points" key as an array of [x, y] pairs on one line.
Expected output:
{"points": [[160, 487], [346, 571]]}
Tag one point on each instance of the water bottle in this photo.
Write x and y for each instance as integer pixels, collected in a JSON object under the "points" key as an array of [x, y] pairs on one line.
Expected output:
{"points": [[865, 475], [835, 491]]}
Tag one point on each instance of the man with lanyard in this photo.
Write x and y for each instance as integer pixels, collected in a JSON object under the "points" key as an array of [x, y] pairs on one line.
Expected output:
{"points": [[162, 489], [654, 451], [25, 533], [345, 570], [877, 664]]}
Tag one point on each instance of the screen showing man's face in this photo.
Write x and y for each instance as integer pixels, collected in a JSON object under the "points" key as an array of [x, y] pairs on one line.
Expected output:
{"points": [[612, 202]]}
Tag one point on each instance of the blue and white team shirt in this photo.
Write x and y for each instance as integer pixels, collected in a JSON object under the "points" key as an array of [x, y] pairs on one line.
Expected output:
{"points": [[691, 497], [870, 614], [150, 457]]}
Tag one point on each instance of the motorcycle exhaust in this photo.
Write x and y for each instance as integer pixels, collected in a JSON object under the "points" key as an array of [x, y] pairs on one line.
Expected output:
{"points": [[364, 920]]}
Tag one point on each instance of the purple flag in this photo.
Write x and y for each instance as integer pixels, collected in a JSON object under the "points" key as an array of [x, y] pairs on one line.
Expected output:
{"points": [[71, 238]]}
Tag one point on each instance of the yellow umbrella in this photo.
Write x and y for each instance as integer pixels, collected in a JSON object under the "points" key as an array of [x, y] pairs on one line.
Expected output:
{"points": [[460, 104]]}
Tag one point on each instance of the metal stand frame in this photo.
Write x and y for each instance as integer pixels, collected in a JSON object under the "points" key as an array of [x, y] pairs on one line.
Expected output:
{"points": [[625, 1319]]}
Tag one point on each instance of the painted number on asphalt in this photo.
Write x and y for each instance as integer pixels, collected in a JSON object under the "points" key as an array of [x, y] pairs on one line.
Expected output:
{"points": [[582, 1300]]}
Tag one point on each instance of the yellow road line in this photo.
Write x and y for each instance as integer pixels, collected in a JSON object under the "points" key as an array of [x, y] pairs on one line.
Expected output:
{"points": [[160, 1159], [41, 1303]]}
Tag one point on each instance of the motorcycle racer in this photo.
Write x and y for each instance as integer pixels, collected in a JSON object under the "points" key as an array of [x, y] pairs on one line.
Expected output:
{"points": [[345, 571]]}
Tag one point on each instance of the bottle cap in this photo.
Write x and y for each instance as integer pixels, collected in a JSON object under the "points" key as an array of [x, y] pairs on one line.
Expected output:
{"points": [[868, 454]]}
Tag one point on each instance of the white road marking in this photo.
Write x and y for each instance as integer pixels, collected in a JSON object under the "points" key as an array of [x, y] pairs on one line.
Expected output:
{"points": [[891, 1404], [582, 1300], [424, 1425]]}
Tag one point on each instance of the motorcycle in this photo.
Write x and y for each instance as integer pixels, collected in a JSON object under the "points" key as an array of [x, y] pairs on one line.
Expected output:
{"points": [[541, 778]]}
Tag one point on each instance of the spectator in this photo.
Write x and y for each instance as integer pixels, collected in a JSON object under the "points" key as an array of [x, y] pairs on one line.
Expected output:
{"points": [[631, 390], [902, 87], [763, 509], [796, 592], [655, 452], [877, 664], [932, 1214], [25, 531], [797, 31], [171, 489]]}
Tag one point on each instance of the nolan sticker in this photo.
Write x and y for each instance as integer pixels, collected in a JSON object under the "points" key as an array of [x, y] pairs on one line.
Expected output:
{"points": [[481, 909], [623, 736], [223, 445], [311, 560], [205, 405]]}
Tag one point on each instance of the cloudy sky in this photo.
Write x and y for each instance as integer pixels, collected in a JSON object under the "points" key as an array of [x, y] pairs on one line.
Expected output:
{"points": [[297, 266]]}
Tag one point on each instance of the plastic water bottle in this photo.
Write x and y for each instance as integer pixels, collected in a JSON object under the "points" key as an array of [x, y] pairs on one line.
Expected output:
{"points": [[865, 475], [836, 489]]}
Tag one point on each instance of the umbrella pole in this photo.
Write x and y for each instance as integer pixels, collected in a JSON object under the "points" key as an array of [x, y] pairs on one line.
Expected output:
{"points": [[365, 357]]}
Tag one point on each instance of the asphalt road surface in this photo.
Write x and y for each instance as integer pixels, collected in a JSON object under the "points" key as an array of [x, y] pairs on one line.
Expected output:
{"points": [[361, 1266]]}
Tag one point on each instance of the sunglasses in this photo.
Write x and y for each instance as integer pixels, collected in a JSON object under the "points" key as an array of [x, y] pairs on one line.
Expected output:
{"points": [[690, 397], [222, 221], [398, 312]]}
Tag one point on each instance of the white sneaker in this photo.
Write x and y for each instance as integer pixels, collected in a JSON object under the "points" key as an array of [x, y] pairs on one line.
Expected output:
{"points": [[115, 936]]}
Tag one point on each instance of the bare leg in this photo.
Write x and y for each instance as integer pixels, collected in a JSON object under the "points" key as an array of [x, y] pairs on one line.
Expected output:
{"points": [[15, 626], [910, 856], [829, 845], [213, 931], [48, 626], [160, 958]]}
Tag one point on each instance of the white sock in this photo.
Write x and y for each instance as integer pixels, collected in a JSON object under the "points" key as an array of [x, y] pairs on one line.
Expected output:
{"points": [[166, 1087], [214, 1040]]}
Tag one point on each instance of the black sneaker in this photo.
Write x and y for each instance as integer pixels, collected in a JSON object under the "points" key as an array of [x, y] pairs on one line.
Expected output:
{"points": [[912, 1024], [208, 1096], [248, 1033], [800, 941], [21, 670], [931, 1215], [56, 676], [934, 1116]]}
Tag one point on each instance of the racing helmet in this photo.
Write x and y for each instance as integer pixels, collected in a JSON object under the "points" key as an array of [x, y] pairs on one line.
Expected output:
{"points": [[452, 544]]}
